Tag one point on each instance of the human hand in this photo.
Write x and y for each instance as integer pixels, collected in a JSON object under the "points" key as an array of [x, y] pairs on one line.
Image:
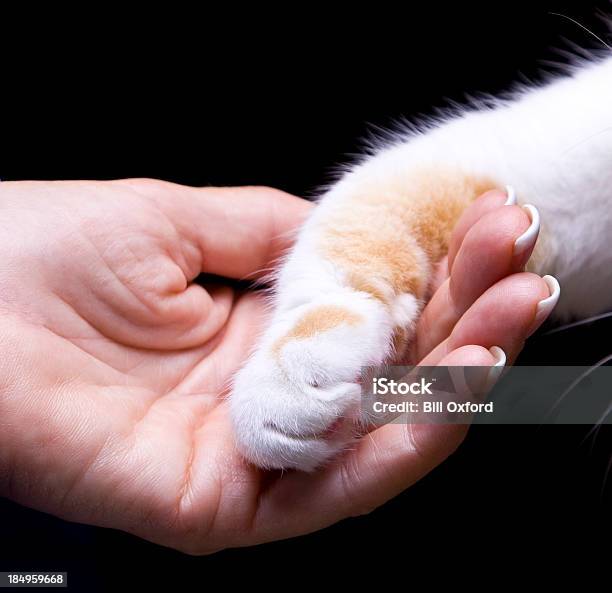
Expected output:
{"points": [[114, 364]]}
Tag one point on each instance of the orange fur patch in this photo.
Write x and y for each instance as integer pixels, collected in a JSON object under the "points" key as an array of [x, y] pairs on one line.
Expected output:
{"points": [[400, 342], [390, 232], [316, 321]]}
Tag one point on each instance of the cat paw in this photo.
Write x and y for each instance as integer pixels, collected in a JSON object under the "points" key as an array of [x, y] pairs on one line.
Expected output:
{"points": [[297, 402]]}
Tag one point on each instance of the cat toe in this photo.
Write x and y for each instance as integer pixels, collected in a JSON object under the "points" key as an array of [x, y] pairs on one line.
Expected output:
{"points": [[285, 424]]}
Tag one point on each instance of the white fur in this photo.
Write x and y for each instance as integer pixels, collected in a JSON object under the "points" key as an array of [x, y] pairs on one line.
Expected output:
{"points": [[553, 144]]}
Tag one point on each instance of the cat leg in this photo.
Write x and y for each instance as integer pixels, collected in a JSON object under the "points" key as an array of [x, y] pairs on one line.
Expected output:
{"points": [[358, 276], [351, 289]]}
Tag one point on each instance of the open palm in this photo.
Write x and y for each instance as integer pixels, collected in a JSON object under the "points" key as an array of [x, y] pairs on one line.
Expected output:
{"points": [[114, 363]]}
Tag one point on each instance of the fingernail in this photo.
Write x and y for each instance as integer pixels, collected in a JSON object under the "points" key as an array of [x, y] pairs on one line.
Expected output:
{"points": [[511, 199], [545, 306], [496, 370], [481, 378], [463, 391], [527, 240]]}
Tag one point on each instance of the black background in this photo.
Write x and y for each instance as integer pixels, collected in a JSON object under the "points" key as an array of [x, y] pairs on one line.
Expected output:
{"points": [[280, 99]]}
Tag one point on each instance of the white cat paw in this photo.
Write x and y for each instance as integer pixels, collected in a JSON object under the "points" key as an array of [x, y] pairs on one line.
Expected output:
{"points": [[297, 402]]}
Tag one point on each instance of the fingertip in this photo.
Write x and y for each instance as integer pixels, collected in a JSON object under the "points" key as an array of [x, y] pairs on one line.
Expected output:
{"points": [[469, 355], [204, 310], [525, 243], [487, 253], [487, 202], [504, 315], [546, 306]]}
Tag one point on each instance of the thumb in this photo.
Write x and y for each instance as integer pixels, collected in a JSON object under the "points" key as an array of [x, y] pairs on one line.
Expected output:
{"points": [[239, 232]]}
